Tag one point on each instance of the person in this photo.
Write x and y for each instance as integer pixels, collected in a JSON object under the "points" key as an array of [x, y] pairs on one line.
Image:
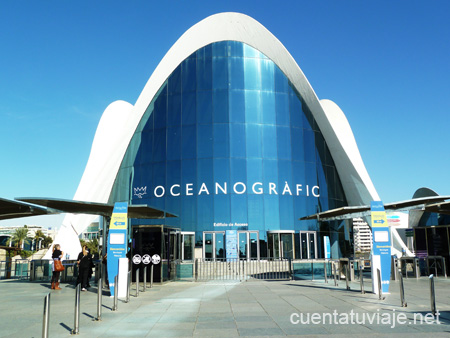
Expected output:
{"points": [[56, 255], [85, 264]]}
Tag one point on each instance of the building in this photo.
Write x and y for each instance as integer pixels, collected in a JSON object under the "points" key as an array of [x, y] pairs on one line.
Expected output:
{"points": [[229, 135], [362, 236]]}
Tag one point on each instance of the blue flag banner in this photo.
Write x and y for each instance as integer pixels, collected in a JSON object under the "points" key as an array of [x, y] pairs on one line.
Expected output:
{"points": [[117, 241]]}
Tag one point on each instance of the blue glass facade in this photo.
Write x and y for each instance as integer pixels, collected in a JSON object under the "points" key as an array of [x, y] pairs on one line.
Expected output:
{"points": [[228, 143]]}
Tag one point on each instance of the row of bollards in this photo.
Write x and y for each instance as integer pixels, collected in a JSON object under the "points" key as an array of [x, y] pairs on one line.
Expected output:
{"points": [[76, 325]]}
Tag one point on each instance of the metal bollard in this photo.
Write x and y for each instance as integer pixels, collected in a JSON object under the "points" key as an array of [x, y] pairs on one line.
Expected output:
{"points": [[116, 293], [312, 271], [361, 278], [334, 274], [99, 300], [402, 290], [432, 296], [76, 324], [128, 286], [137, 282], [380, 290], [145, 278], [151, 276], [46, 319], [325, 271], [347, 272]]}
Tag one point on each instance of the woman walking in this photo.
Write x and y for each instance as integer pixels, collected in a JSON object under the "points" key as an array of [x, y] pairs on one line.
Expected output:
{"points": [[56, 256], [85, 264]]}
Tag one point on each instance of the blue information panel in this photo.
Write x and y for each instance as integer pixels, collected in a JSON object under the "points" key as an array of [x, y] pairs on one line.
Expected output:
{"points": [[231, 241], [326, 247], [117, 241], [381, 242]]}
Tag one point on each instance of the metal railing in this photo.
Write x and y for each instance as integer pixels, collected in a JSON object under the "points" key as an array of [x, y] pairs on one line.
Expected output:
{"points": [[15, 269], [236, 269]]}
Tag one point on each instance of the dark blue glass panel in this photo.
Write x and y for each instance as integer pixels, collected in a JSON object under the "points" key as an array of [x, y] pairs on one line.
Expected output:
{"points": [[189, 75], [173, 203], [308, 143], [160, 111], [175, 81], [238, 172], [237, 106], [285, 176], [281, 81], [283, 142], [271, 212], [189, 142], [221, 171], [220, 103], [159, 145], [204, 140], [174, 110], [221, 139], [204, 107], [204, 74], [267, 75], [282, 108], [253, 106], [236, 76], [174, 143], [236, 48], [237, 140], [286, 212], [220, 49], [295, 108], [311, 177], [268, 108], [146, 148], [254, 174], [255, 216], [205, 213], [252, 74], [269, 146], [270, 172], [253, 135], [188, 175], [298, 152], [159, 177], [222, 209], [189, 108], [239, 208], [220, 73]]}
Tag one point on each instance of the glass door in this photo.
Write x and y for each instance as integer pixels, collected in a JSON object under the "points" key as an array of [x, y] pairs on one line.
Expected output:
{"points": [[214, 244], [308, 244], [281, 244], [248, 244]]}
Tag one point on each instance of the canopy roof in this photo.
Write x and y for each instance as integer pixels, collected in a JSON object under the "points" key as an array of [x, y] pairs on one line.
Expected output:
{"points": [[34, 206], [431, 204], [15, 209]]}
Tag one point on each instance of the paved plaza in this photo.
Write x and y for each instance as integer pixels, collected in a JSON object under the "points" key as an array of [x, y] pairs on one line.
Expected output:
{"points": [[230, 309]]}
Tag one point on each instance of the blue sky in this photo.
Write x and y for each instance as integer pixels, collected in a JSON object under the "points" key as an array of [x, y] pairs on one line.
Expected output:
{"points": [[385, 63]]}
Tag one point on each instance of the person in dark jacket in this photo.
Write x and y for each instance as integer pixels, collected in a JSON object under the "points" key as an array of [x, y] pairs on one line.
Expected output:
{"points": [[85, 265], [56, 255]]}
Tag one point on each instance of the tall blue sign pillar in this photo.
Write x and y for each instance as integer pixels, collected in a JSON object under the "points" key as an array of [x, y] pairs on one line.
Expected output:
{"points": [[381, 247], [117, 241]]}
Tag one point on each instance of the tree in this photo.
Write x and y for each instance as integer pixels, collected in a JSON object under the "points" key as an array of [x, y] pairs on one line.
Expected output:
{"points": [[47, 241], [19, 236], [38, 236]]}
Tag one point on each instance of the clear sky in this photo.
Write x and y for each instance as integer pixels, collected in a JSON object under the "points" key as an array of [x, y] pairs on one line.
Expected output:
{"points": [[385, 63]]}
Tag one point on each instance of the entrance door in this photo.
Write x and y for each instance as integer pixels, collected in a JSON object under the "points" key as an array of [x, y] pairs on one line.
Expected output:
{"points": [[248, 244], [281, 244], [308, 244], [214, 244]]}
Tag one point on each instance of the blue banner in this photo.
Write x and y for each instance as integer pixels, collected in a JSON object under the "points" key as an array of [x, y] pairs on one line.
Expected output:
{"points": [[231, 247], [117, 241], [381, 243]]}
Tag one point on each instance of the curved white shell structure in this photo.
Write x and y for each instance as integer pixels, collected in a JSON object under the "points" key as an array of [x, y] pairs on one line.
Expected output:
{"points": [[110, 147]]}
